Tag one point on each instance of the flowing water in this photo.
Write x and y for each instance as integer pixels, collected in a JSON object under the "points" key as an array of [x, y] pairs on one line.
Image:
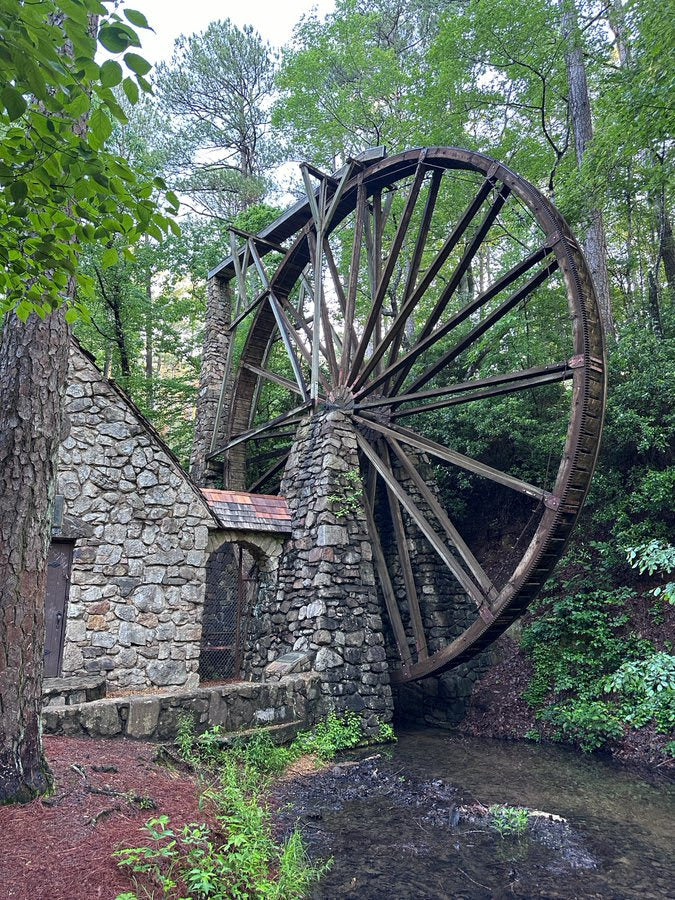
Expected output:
{"points": [[397, 825]]}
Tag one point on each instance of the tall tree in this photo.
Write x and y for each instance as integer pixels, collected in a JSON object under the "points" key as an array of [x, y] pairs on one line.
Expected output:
{"points": [[216, 93], [595, 245], [62, 188]]}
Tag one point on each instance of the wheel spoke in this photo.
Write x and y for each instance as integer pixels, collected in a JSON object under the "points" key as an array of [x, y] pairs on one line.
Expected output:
{"points": [[339, 287], [272, 376], [329, 349], [388, 270], [416, 260], [406, 567], [388, 592], [277, 467], [411, 301], [253, 433], [454, 536], [403, 365], [361, 200], [551, 378], [463, 462], [563, 370], [424, 526], [477, 331]]}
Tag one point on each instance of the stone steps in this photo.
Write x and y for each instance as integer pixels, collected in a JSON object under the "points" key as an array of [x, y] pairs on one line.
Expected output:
{"points": [[72, 689]]}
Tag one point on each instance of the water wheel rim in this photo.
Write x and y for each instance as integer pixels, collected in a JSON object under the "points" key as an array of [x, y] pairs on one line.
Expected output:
{"points": [[582, 442]]}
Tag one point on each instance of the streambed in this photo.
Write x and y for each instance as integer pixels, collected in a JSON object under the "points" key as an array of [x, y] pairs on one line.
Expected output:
{"points": [[412, 822]]}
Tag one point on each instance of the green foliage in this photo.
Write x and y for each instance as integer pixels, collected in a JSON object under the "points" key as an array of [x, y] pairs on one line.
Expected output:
{"points": [[655, 557], [508, 820], [646, 690], [589, 723], [61, 188], [330, 736], [197, 861], [349, 500]]}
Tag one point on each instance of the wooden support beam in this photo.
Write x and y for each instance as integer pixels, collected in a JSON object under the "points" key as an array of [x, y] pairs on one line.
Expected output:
{"points": [[406, 567], [272, 376], [424, 526], [454, 536], [458, 459]]}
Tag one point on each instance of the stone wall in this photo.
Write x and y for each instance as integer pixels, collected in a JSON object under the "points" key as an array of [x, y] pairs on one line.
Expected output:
{"points": [[325, 601], [142, 537], [233, 707]]}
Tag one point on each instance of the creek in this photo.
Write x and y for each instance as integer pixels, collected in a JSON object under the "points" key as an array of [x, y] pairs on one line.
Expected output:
{"points": [[411, 821]]}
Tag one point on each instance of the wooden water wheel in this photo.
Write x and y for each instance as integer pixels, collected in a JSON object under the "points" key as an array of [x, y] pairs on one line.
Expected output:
{"points": [[401, 290]]}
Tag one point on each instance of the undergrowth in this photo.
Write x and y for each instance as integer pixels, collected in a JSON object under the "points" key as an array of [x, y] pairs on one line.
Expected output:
{"points": [[595, 676], [240, 857]]}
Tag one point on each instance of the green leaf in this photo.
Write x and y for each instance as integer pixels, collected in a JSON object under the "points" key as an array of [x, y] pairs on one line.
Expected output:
{"points": [[111, 73], [131, 90], [137, 64], [109, 258], [114, 38], [19, 190], [78, 106], [13, 101], [136, 18], [100, 127]]}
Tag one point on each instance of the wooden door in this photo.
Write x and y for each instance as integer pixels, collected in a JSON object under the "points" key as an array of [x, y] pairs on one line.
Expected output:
{"points": [[58, 578]]}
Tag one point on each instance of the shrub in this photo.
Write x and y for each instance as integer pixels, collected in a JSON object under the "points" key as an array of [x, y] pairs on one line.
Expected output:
{"points": [[588, 723]]}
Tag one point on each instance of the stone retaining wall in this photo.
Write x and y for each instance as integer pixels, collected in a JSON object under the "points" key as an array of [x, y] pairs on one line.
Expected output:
{"points": [[234, 707]]}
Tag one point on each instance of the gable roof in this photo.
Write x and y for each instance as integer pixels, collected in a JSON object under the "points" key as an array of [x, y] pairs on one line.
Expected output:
{"points": [[150, 429], [250, 512]]}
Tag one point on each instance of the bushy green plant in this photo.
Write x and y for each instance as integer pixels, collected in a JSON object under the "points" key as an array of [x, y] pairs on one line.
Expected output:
{"points": [[646, 688], [508, 820], [241, 860], [655, 557], [588, 723], [327, 738]]}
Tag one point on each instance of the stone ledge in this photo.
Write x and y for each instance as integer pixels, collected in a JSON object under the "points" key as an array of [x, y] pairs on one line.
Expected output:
{"points": [[72, 689], [236, 708]]}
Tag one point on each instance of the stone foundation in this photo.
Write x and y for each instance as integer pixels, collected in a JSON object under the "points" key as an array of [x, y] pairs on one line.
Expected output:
{"points": [[325, 600], [293, 700]]}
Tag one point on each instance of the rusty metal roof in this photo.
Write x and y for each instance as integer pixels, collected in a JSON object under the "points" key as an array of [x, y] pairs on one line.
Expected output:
{"points": [[251, 512]]}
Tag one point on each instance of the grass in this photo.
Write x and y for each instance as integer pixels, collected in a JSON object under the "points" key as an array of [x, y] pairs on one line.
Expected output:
{"points": [[241, 857]]}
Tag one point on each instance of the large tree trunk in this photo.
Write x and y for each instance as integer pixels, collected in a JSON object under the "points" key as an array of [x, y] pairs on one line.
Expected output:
{"points": [[33, 369], [580, 115]]}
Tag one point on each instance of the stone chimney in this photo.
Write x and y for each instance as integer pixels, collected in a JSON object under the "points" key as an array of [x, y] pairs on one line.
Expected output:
{"points": [[214, 357]]}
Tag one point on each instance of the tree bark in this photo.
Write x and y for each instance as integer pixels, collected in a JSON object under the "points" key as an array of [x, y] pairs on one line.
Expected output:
{"points": [[582, 124], [33, 370], [33, 378]]}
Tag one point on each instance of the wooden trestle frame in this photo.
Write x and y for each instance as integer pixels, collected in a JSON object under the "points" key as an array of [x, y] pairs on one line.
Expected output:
{"points": [[355, 341]]}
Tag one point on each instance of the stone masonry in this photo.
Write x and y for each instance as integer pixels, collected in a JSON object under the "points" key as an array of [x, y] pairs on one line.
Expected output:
{"points": [[142, 533], [326, 601]]}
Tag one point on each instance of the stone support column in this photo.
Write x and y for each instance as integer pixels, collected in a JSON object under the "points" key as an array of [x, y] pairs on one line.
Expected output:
{"points": [[326, 602], [214, 357]]}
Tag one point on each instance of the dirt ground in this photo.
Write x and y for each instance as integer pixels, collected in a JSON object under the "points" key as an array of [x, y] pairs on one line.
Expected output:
{"points": [[60, 847]]}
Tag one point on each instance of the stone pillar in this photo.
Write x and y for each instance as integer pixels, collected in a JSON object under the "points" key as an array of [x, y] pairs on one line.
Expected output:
{"points": [[326, 602], [214, 357]]}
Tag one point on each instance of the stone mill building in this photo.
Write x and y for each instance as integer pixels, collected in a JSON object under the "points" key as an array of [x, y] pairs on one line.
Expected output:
{"points": [[134, 543]]}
